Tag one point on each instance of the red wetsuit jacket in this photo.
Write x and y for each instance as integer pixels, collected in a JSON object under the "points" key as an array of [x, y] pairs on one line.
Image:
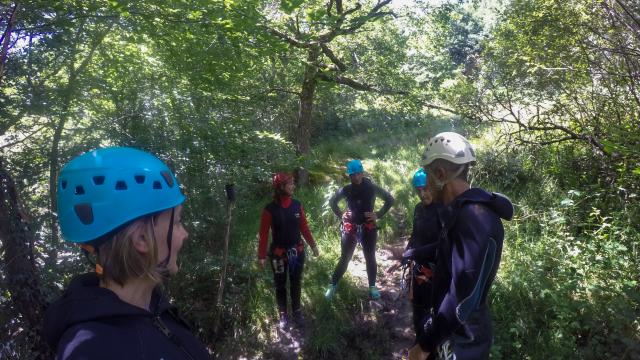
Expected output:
{"points": [[287, 222]]}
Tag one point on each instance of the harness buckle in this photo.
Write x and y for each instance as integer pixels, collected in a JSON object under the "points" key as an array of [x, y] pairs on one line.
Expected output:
{"points": [[292, 253]]}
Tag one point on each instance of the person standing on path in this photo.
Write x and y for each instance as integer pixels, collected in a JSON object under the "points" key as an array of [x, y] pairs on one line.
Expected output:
{"points": [[358, 224], [469, 252], [421, 250], [287, 221]]}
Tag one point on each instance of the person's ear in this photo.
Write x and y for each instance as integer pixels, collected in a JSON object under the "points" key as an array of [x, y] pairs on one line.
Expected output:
{"points": [[140, 241], [441, 174]]}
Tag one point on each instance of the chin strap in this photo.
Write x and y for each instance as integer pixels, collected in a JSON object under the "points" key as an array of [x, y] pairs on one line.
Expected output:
{"points": [[440, 184], [165, 262]]}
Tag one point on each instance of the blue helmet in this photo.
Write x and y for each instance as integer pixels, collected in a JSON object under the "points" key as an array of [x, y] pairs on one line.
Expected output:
{"points": [[106, 188], [420, 179], [354, 167]]}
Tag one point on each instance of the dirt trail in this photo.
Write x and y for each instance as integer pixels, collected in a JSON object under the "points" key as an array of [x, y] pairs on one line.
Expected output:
{"points": [[392, 311], [394, 307]]}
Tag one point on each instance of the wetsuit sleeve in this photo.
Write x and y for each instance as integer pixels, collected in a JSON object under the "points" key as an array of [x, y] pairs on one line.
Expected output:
{"points": [[304, 228], [265, 225], [388, 200], [414, 231], [472, 263], [339, 195]]}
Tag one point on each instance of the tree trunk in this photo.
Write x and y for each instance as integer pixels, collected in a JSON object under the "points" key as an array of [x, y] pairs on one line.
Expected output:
{"points": [[54, 155], [54, 164], [20, 268], [309, 83], [6, 39]]}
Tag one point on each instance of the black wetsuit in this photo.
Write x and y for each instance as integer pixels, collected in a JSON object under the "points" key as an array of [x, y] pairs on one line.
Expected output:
{"points": [[469, 252], [360, 199], [426, 229]]}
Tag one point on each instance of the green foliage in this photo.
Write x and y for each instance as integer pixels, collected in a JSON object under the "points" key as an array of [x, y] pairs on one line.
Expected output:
{"points": [[209, 89], [566, 284]]}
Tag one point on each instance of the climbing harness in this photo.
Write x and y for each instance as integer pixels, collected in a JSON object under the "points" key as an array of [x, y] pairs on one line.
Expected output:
{"points": [[405, 285], [356, 229], [292, 259], [289, 255], [422, 273]]}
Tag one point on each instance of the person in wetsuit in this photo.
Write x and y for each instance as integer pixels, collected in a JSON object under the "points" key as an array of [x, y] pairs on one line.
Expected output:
{"points": [[358, 224], [424, 237], [469, 251], [286, 218], [125, 206]]}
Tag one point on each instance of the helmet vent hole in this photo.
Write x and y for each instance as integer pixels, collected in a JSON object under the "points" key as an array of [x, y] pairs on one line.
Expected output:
{"points": [[157, 185], [167, 178], [121, 185], [84, 213], [98, 180], [63, 184], [79, 190], [139, 179]]}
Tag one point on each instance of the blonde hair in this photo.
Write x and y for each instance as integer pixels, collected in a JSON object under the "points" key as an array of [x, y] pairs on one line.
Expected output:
{"points": [[121, 261]]}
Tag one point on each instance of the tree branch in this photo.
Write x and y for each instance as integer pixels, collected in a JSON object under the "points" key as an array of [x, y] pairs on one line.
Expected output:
{"points": [[356, 85], [6, 38], [629, 12], [24, 138], [291, 41], [334, 59]]}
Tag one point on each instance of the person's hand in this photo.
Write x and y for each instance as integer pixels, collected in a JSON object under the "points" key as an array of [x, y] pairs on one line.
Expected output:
{"points": [[261, 263], [346, 216], [315, 250], [394, 267], [416, 353], [370, 216]]}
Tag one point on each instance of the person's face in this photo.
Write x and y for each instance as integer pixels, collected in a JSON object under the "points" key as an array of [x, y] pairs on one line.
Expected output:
{"points": [[432, 189], [180, 234], [289, 187], [356, 178], [424, 194]]}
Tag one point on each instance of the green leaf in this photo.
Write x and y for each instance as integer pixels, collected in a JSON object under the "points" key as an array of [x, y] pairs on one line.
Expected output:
{"points": [[566, 202], [289, 6]]}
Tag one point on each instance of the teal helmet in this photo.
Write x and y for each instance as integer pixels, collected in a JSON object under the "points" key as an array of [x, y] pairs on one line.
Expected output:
{"points": [[354, 166], [103, 189], [420, 179]]}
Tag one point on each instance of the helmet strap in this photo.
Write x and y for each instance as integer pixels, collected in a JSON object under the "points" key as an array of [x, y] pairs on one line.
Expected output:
{"points": [[89, 250], [165, 262], [441, 184]]}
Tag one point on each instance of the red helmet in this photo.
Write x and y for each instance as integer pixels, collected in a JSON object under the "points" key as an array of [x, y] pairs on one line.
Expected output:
{"points": [[280, 179]]}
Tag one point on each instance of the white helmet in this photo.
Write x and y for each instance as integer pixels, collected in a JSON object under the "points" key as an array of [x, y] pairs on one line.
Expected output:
{"points": [[449, 146]]}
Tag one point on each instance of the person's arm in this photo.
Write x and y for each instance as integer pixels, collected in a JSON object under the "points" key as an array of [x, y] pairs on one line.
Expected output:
{"points": [[473, 261], [265, 225], [414, 231], [306, 233], [339, 195], [386, 197]]}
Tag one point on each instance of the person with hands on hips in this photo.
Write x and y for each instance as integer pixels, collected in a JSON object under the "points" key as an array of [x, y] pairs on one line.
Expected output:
{"points": [[288, 223], [358, 224]]}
